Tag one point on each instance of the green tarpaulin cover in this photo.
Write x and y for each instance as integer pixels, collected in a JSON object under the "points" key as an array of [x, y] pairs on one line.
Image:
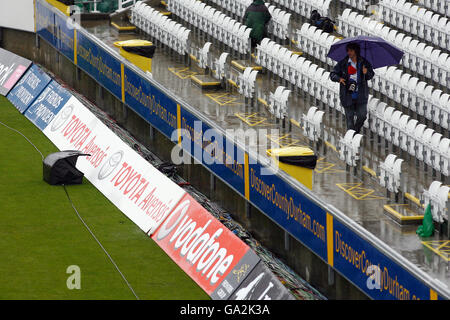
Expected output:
{"points": [[427, 227]]}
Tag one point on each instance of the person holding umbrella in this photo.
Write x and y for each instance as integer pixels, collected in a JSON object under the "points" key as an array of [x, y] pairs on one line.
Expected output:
{"points": [[353, 72], [357, 57]]}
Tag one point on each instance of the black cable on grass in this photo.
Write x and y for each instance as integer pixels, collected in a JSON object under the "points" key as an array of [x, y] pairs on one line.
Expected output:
{"points": [[297, 286], [79, 216], [100, 244], [17, 131]]}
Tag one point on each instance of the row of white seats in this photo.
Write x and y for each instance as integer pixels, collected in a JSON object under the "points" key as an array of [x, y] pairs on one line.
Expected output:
{"points": [[316, 42], [416, 95], [289, 66], [437, 197], [247, 81], [411, 136], [312, 125], [443, 7], [236, 7], [279, 24], [391, 174], [305, 7], [393, 82], [165, 30], [349, 148], [418, 21], [298, 71], [316, 82], [418, 57], [358, 4], [213, 22], [278, 102]]}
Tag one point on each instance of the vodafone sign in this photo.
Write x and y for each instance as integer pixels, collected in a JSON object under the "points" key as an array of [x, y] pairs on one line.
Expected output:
{"points": [[213, 256], [138, 189], [203, 247]]}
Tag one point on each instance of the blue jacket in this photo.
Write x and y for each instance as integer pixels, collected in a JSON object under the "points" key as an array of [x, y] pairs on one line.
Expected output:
{"points": [[340, 71]]}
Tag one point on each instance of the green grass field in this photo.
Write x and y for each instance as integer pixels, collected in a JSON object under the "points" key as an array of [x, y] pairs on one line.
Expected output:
{"points": [[41, 235]]}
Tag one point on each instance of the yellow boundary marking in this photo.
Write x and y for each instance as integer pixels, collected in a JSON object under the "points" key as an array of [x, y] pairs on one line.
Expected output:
{"points": [[242, 67], [182, 73], [264, 102], [193, 57], [179, 123], [202, 83], [325, 166], [34, 16], [330, 244], [234, 84], [413, 199], [60, 6], [237, 65], [444, 254], [295, 123], [398, 215], [75, 53], [247, 177], [281, 141], [331, 146], [222, 98], [252, 119], [122, 74], [370, 171], [433, 295], [129, 28], [357, 192]]}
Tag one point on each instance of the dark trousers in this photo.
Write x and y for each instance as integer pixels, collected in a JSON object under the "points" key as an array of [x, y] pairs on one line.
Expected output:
{"points": [[254, 43], [358, 110]]}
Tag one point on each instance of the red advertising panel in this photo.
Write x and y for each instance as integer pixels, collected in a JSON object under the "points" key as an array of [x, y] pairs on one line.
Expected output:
{"points": [[203, 247]]}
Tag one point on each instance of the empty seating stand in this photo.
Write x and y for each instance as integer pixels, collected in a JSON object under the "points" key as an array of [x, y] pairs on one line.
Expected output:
{"points": [[437, 197], [391, 176], [413, 95], [247, 81], [439, 6], [213, 23], [409, 135], [360, 5], [394, 126], [394, 121], [305, 7], [278, 102], [316, 42], [161, 28], [413, 19], [312, 124], [279, 24], [420, 58], [350, 148]]}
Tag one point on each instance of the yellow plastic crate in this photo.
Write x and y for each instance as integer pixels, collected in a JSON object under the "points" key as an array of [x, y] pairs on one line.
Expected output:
{"points": [[139, 61], [302, 174]]}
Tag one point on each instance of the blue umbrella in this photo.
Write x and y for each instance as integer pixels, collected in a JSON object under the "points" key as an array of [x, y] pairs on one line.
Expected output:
{"points": [[376, 50]]}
